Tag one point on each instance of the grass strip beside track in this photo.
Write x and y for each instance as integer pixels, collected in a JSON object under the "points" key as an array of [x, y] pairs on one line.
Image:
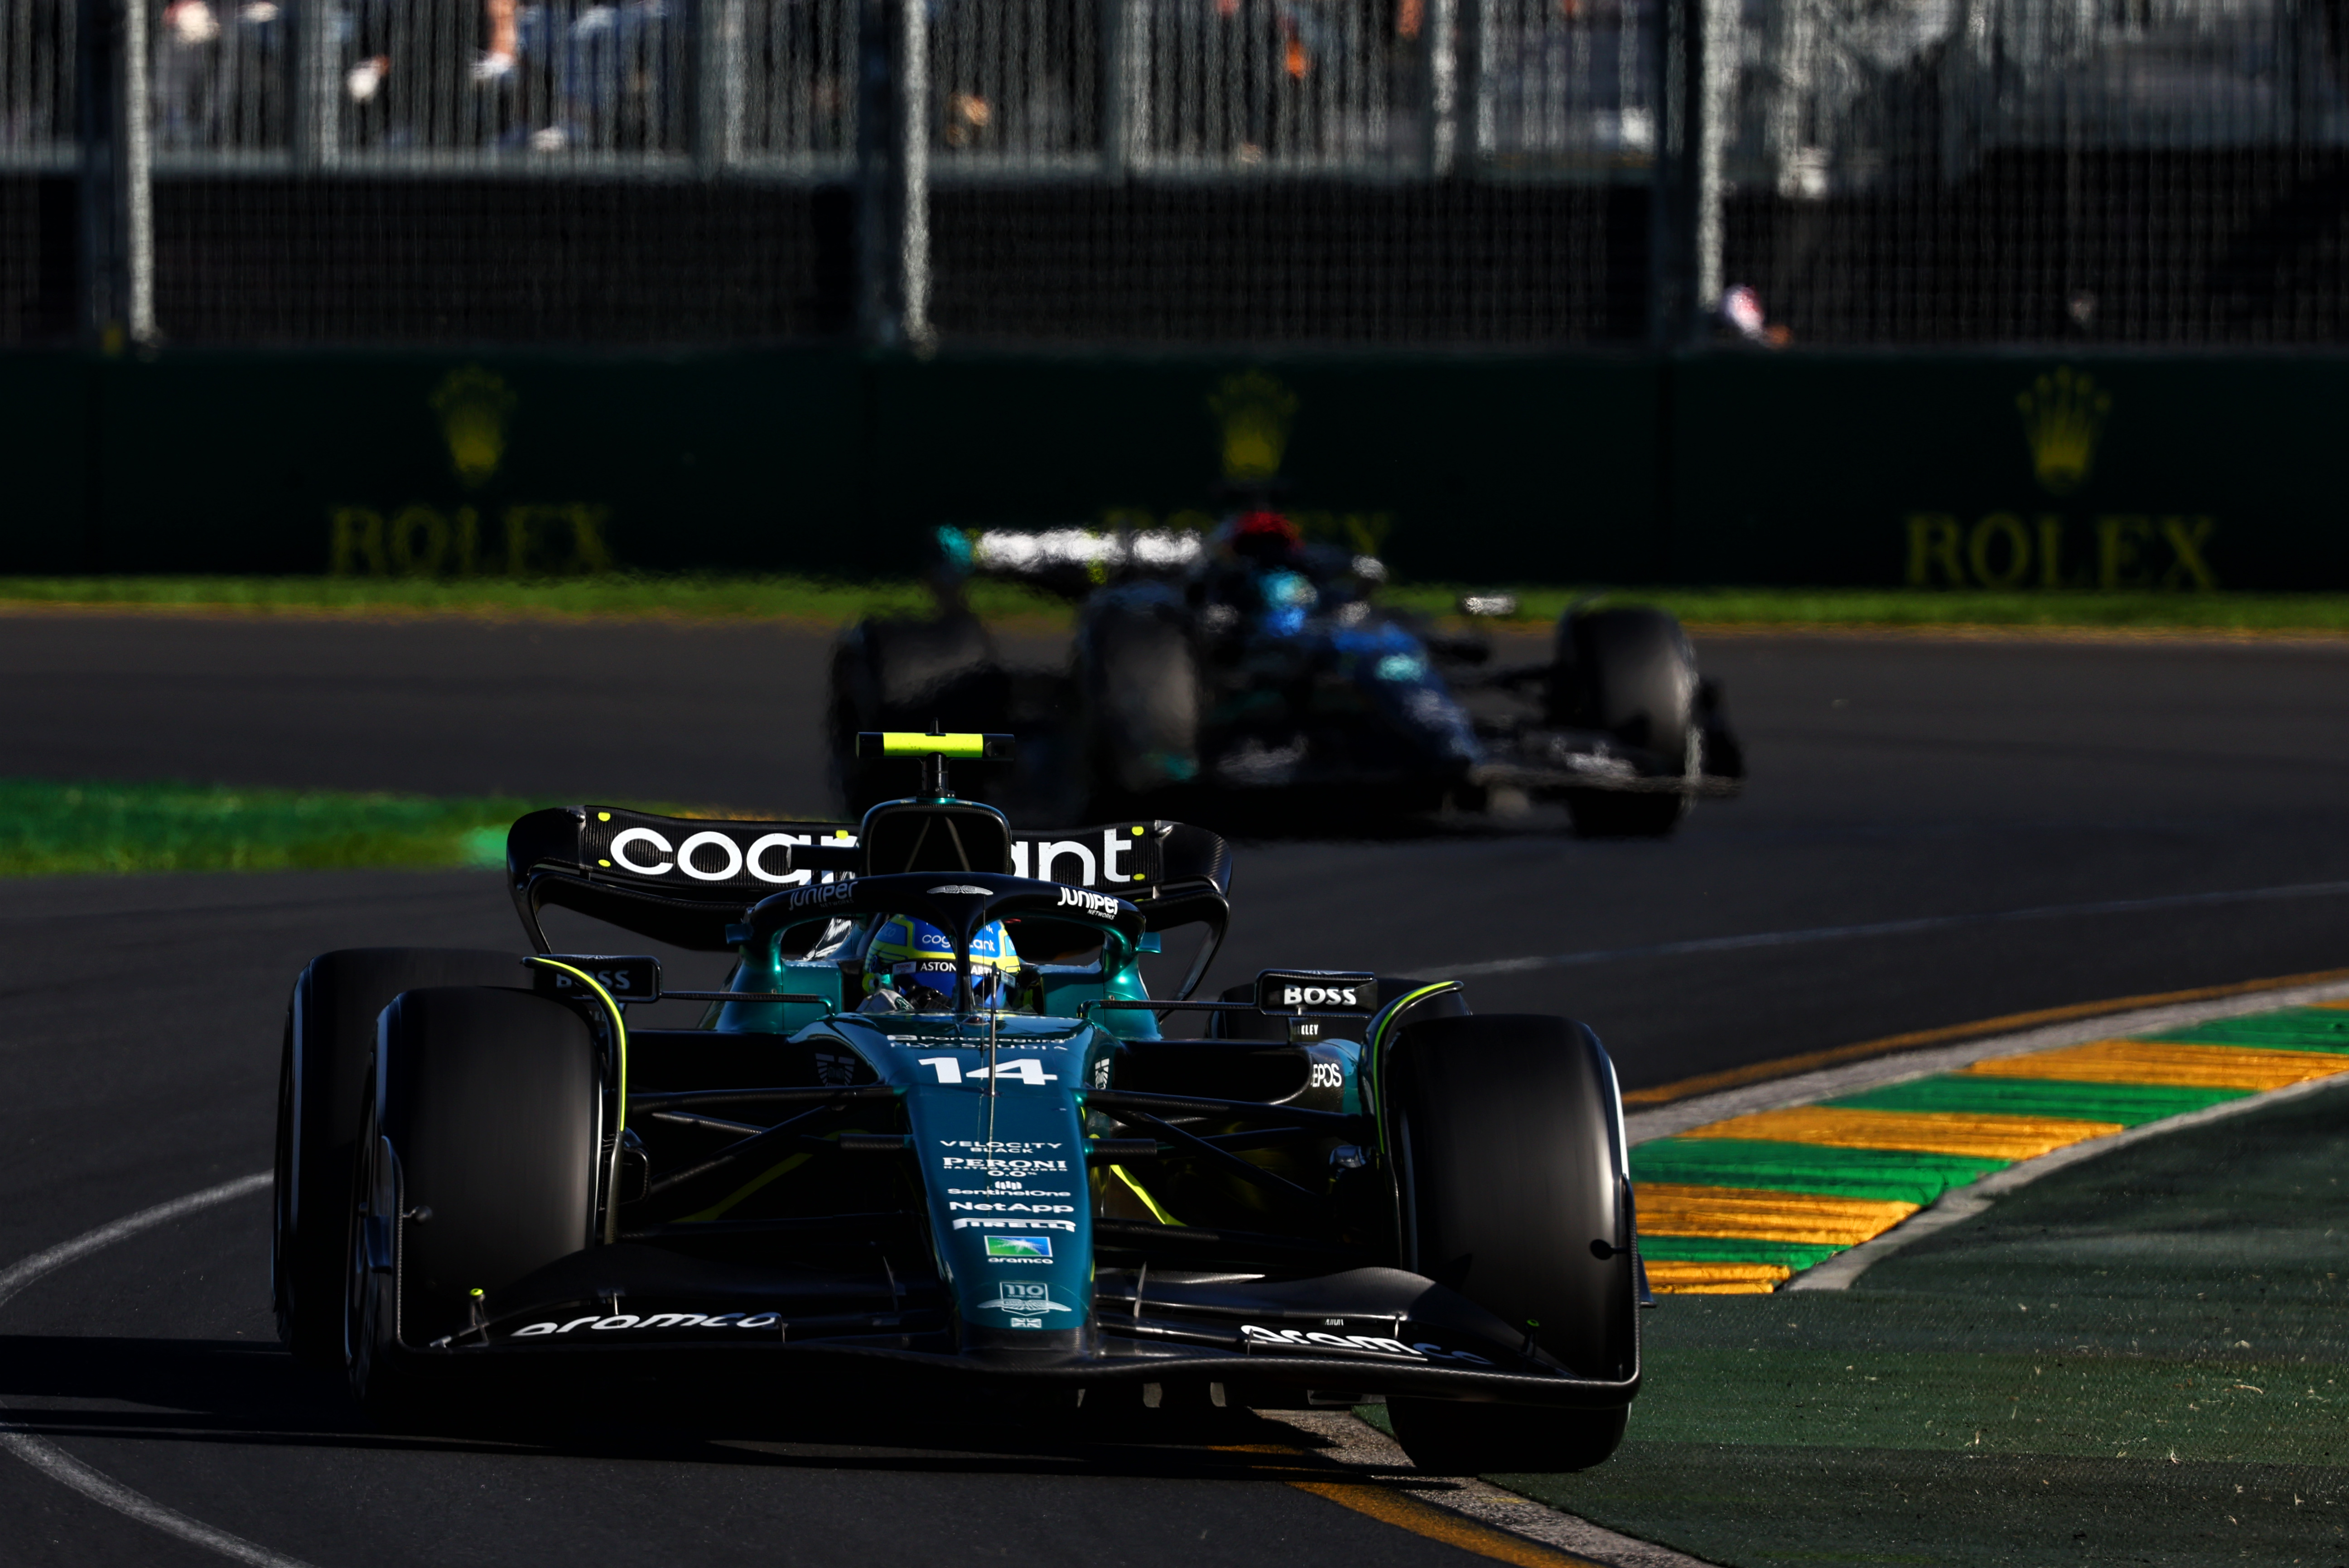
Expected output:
{"points": [[2141, 1358], [55, 828], [715, 596], [614, 595]]}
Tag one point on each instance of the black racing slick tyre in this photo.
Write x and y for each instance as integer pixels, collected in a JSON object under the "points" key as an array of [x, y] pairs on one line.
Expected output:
{"points": [[1139, 679], [1631, 674], [902, 675], [329, 1034], [478, 1166], [1512, 1194]]}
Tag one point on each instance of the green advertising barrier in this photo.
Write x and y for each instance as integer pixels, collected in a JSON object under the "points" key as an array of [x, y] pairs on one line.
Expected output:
{"points": [[2010, 472], [1975, 471]]}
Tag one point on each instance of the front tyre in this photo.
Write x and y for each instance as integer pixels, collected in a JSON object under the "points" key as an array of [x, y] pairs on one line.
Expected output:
{"points": [[1511, 1193], [321, 1086], [901, 675], [478, 1163], [1139, 679], [1631, 673]]}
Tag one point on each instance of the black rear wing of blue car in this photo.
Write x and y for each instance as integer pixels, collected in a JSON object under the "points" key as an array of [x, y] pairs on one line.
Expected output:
{"points": [[689, 881]]}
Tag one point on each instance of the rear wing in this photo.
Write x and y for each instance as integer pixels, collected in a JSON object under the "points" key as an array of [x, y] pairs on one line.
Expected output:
{"points": [[1071, 561], [689, 881]]}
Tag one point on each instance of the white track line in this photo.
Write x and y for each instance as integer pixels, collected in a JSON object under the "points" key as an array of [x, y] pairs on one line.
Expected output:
{"points": [[63, 1468], [1887, 928]]}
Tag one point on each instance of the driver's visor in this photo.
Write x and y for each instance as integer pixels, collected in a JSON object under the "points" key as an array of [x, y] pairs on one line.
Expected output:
{"points": [[929, 984]]}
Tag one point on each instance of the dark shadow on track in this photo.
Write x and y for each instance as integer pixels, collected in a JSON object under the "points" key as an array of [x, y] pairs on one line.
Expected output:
{"points": [[233, 1392]]}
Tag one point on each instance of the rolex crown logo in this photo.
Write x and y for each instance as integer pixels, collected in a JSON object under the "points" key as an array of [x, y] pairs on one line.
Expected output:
{"points": [[474, 405], [1255, 410], [2063, 416]]}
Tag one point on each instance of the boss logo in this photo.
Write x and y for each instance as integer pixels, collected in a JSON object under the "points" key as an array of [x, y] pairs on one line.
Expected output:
{"points": [[1311, 991], [627, 978]]}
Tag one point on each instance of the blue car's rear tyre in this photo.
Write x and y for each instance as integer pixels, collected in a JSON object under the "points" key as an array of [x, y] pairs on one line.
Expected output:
{"points": [[329, 1034], [1512, 1193], [478, 1166]]}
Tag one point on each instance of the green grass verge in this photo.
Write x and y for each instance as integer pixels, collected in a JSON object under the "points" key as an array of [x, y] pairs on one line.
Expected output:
{"points": [[619, 594], [1923, 607], [54, 828], [719, 597], [2144, 1359]]}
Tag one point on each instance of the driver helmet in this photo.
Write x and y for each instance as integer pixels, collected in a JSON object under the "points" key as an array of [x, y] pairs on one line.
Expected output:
{"points": [[1267, 538], [916, 959]]}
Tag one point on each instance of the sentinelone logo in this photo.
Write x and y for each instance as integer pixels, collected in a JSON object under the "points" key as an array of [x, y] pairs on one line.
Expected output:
{"points": [[2064, 416], [422, 540]]}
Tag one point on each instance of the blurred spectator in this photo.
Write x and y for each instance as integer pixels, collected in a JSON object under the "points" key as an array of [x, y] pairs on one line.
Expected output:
{"points": [[1741, 312]]}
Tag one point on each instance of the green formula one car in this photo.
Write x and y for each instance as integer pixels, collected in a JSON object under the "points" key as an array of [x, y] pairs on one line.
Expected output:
{"points": [[934, 1122]]}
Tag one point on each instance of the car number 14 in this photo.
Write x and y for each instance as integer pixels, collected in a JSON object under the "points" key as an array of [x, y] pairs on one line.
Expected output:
{"points": [[1026, 1070]]}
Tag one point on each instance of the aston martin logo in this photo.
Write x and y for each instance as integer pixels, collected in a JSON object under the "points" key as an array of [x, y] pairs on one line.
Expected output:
{"points": [[474, 405], [1255, 410], [2063, 416]]}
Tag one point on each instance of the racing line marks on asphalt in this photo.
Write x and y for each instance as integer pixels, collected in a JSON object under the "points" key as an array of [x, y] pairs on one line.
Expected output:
{"points": [[1891, 929], [63, 1468]]}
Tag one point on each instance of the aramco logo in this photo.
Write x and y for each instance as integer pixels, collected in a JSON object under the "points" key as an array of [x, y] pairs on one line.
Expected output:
{"points": [[2063, 414], [472, 407]]}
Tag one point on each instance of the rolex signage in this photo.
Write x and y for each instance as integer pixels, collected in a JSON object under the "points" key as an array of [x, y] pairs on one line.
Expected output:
{"points": [[2047, 541], [2013, 473], [469, 534]]}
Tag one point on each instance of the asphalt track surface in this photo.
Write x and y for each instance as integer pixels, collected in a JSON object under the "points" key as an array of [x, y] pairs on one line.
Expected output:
{"points": [[2122, 795]]}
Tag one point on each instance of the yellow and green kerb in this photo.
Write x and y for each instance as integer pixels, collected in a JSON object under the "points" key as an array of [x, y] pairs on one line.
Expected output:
{"points": [[1741, 1205]]}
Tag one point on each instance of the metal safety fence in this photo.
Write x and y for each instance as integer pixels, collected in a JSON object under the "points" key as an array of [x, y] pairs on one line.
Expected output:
{"points": [[1348, 171]]}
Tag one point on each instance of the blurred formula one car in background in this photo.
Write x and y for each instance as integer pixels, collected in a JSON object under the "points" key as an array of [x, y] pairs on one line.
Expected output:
{"points": [[1252, 664], [929, 1129]]}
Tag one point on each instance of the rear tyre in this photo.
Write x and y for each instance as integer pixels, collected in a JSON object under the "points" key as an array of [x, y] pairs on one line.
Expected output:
{"points": [[1511, 1193], [483, 1111], [321, 1083], [1631, 673], [1139, 679], [902, 674]]}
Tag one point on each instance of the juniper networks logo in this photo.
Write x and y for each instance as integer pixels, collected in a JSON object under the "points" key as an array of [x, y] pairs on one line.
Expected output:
{"points": [[2065, 416], [479, 535]]}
